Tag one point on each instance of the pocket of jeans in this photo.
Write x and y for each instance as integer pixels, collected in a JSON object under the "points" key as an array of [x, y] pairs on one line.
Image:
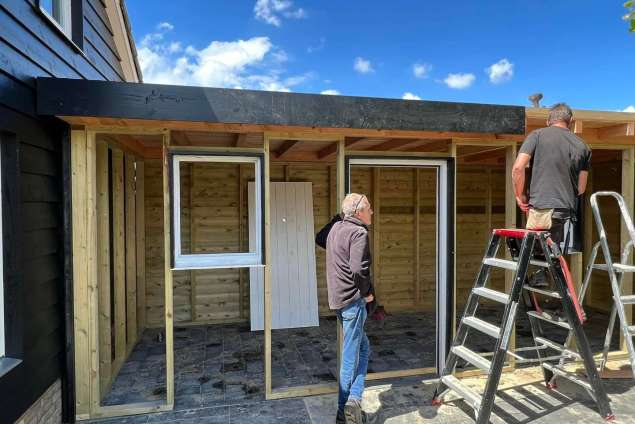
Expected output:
{"points": [[350, 312]]}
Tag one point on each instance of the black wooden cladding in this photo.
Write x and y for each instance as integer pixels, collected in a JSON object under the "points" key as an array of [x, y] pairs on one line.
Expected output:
{"points": [[219, 105], [36, 194]]}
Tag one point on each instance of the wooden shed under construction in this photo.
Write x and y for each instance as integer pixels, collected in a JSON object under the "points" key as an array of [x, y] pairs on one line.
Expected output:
{"points": [[194, 211]]}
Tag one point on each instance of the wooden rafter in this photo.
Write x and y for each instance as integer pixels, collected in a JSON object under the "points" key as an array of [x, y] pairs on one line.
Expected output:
{"points": [[331, 149], [241, 140], [286, 147], [620, 130], [392, 144], [431, 146], [480, 155]]}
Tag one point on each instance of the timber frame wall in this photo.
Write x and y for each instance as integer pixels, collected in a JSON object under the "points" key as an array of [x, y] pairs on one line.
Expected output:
{"points": [[408, 129]]}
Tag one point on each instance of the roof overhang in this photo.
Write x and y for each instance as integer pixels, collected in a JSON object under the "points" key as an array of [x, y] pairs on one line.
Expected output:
{"points": [[170, 106]]}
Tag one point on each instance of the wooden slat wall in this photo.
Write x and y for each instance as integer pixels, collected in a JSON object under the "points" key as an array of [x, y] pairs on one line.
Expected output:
{"points": [[606, 176], [215, 199], [473, 226]]}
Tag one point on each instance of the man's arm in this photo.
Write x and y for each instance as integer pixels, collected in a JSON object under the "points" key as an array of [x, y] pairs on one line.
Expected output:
{"points": [[518, 177], [360, 263], [582, 179]]}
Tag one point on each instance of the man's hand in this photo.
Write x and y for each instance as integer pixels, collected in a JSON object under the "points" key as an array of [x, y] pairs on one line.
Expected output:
{"points": [[522, 203], [369, 298]]}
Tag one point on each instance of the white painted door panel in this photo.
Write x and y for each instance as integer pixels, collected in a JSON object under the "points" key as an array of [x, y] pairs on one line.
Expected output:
{"points": [[293, 276]]}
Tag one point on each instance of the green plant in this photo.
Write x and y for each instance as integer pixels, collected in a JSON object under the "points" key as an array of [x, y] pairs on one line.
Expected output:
{"points": [[630, 15]]}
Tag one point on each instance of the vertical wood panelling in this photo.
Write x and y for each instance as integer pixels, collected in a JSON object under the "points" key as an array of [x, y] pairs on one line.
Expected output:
{"points": [[140, 245]]}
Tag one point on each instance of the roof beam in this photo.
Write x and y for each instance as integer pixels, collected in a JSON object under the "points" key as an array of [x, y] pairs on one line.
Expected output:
{"points": [[621, 130], [483, 154], [431, 146], [286, 147], [392, 144], [330, 150]]}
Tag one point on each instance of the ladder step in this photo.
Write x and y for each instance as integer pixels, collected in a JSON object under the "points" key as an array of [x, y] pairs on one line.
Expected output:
{"points": [[490, 294], [617, 267], [482, 326], [472, 358], [628, 300], [569, 376], [501, 263], [560, 348], [469, 395], [546, 317], [549, 293]]}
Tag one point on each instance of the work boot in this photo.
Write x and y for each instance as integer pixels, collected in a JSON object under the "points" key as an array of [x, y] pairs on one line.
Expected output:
{"points": [[353, 412], [340, 419]]}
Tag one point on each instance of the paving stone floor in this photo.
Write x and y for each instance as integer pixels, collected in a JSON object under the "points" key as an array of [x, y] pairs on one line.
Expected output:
{"points": [[221, 365]]}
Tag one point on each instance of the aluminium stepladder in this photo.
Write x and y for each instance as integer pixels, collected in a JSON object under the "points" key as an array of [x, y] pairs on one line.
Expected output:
{"points": [[615, 272], [554, 263]]}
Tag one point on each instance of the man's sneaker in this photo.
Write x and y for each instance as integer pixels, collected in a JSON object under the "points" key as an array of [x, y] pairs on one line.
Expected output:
{"points": [[340, 419], [353, 412]]}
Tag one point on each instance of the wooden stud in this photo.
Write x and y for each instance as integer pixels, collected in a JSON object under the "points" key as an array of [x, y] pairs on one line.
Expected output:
{"points": [[169, 300], [588, 231], [267, 270], [80, 272], [628, 192], [488, 204], [103, 237], [141, 246], [340, 188], [131, 252], [193, 294], [375, 228], [417, 230], [119, 259], [241, 242], [92, 266], [510, 222]]}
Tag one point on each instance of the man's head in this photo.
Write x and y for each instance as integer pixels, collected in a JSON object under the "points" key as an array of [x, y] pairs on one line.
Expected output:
{"points": [[560, 115], [357, 205]]}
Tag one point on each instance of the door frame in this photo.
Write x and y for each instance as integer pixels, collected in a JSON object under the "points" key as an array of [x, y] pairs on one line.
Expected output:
{"points": [[445, 169]]}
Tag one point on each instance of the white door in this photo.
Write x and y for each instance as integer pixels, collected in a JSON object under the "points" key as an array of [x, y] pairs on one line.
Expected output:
{"points": [[293, 279]]}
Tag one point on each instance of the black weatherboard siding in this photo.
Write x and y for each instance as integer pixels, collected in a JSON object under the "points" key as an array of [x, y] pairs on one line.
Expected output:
{"points": [[219, 105], [35, 194]]}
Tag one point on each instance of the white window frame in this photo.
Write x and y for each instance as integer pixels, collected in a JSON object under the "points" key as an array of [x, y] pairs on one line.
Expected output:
{"points": [[183, 261], [444, 317], [65, 15]]}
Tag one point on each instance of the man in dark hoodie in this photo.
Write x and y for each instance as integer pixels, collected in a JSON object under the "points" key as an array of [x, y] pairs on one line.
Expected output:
{"points": [[349, 284]]}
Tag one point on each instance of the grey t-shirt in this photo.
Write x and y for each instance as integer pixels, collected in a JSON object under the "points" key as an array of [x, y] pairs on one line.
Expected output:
{"points": [[557, 157]]}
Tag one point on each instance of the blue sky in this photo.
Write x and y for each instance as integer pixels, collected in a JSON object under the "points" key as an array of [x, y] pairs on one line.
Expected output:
{"points": [[469, 51]]}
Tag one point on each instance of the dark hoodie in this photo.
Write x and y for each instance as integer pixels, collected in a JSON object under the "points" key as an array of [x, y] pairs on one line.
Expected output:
{"points": [[348, 263]]}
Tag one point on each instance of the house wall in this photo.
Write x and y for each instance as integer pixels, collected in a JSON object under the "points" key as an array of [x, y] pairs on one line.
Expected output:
{"points": [[30, 47], [211, 204]]}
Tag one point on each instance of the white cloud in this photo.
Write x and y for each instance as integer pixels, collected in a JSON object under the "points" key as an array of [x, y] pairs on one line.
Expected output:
{"points": [[410, 96], [330, 92], [165, 26], [631, 109], [459, 81], [421, 70], [501, 71], [272, 11], [363, 66], [254, 63], [318, 47]]}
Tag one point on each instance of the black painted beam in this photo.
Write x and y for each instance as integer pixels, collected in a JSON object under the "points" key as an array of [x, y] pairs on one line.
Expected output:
{"points": [[69, 97]]}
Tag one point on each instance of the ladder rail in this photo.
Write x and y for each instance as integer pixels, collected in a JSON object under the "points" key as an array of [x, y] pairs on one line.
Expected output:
{"points": [[615, 283]]}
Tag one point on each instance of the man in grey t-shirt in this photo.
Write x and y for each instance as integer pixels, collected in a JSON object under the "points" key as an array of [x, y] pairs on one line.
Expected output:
{"points": [[559, 162]]}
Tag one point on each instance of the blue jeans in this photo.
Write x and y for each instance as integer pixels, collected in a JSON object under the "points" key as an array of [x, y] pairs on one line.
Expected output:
{"points": [[355, 352]]}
